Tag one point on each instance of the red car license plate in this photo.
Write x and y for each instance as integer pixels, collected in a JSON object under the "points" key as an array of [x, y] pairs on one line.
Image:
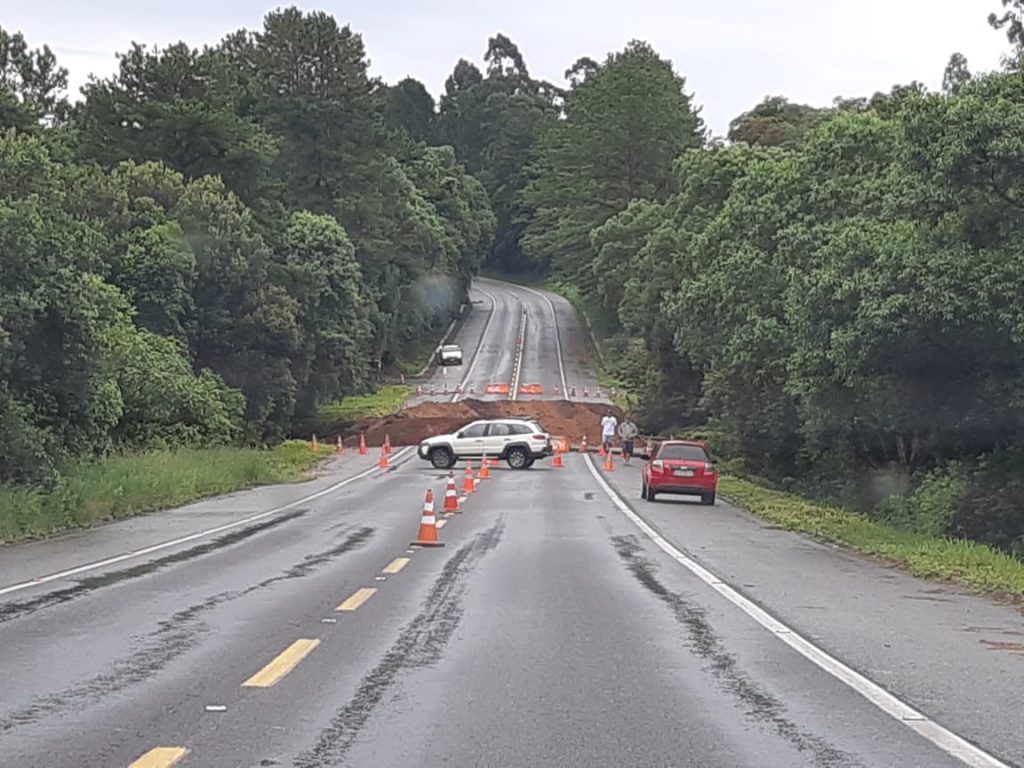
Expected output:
{"points": [[684, 473]]}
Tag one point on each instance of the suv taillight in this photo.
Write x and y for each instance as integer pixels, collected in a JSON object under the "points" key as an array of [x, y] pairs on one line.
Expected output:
{"points": [[657, 465], [540, 437]]}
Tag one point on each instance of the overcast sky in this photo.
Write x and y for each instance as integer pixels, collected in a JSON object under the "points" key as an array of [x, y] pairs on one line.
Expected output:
{"points": [[732, 55]]}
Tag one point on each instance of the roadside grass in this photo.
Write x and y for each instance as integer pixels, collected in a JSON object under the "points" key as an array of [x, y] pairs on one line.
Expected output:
{"points": [[968, 563], [128, 485], [331, 419], [385, 401]]}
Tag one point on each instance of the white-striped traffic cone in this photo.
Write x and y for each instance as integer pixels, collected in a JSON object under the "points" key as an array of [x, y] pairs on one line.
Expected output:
{"points": [[428, 524], [451, 495]]}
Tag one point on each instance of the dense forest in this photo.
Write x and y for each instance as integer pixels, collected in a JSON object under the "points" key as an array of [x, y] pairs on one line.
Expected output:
{"points": [[212, 243]]}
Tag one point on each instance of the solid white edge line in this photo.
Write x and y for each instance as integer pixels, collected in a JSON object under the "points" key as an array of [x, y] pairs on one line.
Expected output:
{"points": [[479, 346], [191, 537], [902, 712]]}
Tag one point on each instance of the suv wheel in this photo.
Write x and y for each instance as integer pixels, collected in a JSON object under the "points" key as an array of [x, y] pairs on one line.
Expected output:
{"points": [[518, 458], [442, 458]]}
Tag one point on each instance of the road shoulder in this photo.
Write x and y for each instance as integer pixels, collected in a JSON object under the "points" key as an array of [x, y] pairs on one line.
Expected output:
{"points": [[23, 562], [955, 655]]}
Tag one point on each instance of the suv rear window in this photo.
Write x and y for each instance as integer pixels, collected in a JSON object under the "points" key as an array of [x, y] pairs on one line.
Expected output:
{"points": [[682, 452]]}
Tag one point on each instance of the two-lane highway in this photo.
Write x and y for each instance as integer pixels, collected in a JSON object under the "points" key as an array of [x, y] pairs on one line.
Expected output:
{"points": [[553, 354], [563, 623]]}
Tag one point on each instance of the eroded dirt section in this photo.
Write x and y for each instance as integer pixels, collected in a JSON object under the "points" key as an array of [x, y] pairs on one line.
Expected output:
{"points": [[410, 426]]}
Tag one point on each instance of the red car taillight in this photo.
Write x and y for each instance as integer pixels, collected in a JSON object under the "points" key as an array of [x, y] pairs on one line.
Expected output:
{"points": [[709, 468], [657, 466]]}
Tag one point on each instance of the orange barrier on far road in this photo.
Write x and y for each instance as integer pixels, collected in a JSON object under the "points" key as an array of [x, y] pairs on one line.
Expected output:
{"points": [[560, 443], [531, 389], [496, 389]]}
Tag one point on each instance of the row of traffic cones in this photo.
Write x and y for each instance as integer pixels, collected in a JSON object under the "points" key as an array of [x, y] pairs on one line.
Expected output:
{"points": [[428, 536], [363, 450]]}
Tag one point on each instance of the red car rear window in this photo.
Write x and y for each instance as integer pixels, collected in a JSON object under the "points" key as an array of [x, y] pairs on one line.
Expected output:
{"points": [[682, 453]]}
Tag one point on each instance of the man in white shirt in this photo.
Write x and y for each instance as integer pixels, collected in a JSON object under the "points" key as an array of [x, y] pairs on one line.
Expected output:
{"points": [[609, 424]]}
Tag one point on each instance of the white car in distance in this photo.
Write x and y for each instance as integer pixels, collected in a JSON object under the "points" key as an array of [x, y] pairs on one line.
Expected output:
{"points": [[450, 354]]}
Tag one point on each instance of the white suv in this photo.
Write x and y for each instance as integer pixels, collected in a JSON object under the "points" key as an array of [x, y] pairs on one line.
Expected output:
{"points": [[520, 442]]}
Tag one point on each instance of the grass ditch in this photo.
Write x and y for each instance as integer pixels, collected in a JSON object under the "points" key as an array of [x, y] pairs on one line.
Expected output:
{"points": [[964, 562], [129, 485]]}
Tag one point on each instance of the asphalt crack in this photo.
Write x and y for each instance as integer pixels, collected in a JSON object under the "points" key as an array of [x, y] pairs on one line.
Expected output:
{"points": [[9, 611], [421, 643], [173, 637], [757, 704]]}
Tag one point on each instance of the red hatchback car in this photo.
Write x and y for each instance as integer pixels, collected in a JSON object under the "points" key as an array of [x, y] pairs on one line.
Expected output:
{"points": [[680, 467]]}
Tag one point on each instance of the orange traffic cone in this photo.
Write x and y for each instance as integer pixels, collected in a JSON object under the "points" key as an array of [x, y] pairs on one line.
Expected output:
{"points": [[428, 524], [341, 448], [362, 444], [609, 463], [383, 463], [600, 450], [558, 463], [468, 485], [485, 469], [387, 443], [451, 495], [314, 444]]}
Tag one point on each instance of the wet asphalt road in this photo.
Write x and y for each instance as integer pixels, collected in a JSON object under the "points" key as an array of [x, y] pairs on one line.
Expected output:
{"points": [[492, 331], [548, 631]]}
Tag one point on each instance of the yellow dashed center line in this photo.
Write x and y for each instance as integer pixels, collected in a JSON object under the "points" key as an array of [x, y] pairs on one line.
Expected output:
{"points": [[396, 565], [357, 599], [161, 757], [282, 665]]}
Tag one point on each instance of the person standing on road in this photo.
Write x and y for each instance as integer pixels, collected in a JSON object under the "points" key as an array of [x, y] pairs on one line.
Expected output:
{"points": [[628, 432], [608, 426]]}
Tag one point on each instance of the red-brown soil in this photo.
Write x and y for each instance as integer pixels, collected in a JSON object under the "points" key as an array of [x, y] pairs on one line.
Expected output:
{"points": [[410, 426]]}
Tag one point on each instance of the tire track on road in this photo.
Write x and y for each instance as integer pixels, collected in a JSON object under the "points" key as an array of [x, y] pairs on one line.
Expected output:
{"points": [[420, 643]]}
